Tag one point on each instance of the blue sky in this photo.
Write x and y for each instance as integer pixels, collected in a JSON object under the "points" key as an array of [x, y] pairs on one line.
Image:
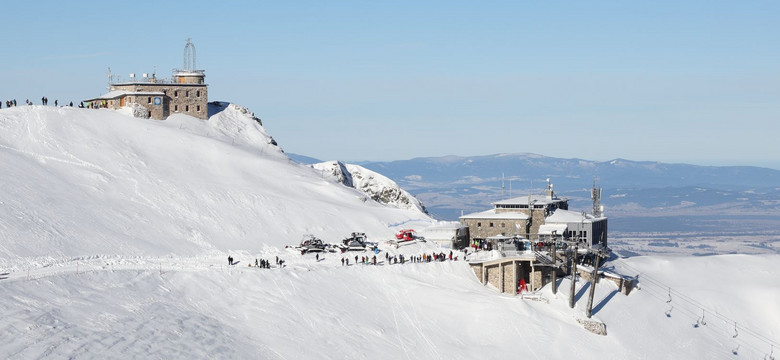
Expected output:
{"points": [[672, 81]]}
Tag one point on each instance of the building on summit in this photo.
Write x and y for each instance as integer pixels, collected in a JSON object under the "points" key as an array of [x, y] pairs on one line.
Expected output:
{"points": [[539, 217], [185, 93]]}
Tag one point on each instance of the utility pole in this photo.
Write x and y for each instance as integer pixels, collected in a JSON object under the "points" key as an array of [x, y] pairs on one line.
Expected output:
{"points": [[555, 265], [597, 255], [573, 276]]}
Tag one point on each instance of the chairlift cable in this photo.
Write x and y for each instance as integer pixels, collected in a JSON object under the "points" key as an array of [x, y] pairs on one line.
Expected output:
{"points": [[649, 280]]}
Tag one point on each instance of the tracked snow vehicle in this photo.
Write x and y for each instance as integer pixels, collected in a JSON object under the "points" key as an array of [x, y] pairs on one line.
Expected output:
{"points": [[355, 242], [311, 243], [405, 237]]}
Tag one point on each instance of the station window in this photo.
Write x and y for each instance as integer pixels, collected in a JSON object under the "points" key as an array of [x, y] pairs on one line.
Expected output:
{"points": [[491, 224], [187, 93], [149, 100], [175, 93], [187, 108], [175, 107], [479, 224], [197, 93], [198, 108]]}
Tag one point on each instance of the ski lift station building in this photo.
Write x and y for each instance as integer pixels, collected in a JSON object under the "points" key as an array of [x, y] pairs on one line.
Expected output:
{"points": [[539, 217], [185, 93]]}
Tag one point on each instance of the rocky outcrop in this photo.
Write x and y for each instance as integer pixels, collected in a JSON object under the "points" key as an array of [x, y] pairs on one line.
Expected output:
{"points": [[374, 185]]}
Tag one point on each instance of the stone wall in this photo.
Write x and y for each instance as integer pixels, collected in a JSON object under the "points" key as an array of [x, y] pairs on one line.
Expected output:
{"points": [[510, 287], [190, 99], [477, 268], [505, 275], [494, 276], [535, 280], [481, 229], [537, 219]]}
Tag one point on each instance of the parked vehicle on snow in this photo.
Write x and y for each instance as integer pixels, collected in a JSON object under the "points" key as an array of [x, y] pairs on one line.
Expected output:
{"points": [[357, 241], [311, 243]]}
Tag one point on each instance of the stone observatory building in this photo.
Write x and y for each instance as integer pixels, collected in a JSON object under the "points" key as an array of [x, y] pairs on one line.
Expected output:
{"points": [[185, 93]]}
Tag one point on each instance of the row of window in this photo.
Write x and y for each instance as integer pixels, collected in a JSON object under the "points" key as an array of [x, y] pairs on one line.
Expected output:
{"points": [[479, 224], [511, 206], [516, 206], [186, 93], [186, 108], [572, 233]]}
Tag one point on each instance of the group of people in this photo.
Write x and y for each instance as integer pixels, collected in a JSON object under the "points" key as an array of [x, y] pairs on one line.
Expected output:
{"points": [[482, 244], [44, 101], [395, 259], [365, 260], [263, 264]]}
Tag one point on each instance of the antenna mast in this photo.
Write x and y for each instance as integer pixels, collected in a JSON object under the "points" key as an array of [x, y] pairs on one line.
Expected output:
{"points": [[189, 55], [109, 79], [595, 194], [503, 195]]}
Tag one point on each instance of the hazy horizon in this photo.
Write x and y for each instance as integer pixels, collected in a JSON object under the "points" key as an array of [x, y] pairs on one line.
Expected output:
{"points": [[681, 82]]}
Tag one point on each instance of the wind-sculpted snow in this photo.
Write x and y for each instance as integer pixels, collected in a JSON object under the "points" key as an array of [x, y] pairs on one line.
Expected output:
{"points": [[81, 182]]}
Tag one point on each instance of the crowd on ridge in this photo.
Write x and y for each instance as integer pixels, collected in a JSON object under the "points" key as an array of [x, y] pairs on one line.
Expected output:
{"points": [[44, 101]]}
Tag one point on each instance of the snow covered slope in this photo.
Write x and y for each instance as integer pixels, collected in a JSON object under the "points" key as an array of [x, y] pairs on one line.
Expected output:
{"points": [[200, 308], [81, 182], [376, 186], [114, 233]]}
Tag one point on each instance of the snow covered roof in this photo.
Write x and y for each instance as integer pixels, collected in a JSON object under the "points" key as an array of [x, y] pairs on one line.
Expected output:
{"points": [[537, 199], [111, 95], [569, 216], [491, 214], [114, 94], [547, 229]]}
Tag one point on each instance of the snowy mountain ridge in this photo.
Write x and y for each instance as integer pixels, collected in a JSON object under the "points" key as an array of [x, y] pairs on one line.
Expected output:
{"points": [[83, 182], [376, 186]]}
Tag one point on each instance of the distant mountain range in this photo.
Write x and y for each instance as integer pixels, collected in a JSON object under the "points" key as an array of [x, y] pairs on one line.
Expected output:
{"points": [[450, 185]]}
